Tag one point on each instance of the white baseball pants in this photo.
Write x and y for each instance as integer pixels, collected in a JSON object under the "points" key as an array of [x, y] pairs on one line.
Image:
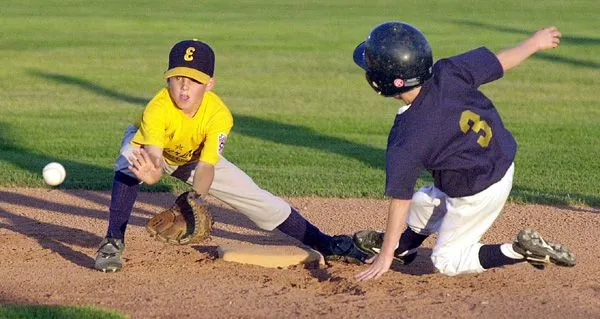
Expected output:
{"points": [[459, 222]]}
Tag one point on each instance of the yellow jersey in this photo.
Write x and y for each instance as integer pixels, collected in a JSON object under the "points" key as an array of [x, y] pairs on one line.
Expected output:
{"points": [[184, 139]]}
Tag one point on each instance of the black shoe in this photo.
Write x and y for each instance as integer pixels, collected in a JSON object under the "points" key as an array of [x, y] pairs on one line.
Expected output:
{"points": [[370, 242], [342, 248]]}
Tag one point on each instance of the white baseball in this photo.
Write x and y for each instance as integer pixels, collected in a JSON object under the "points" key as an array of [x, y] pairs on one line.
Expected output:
{"points": [[54, 174]]}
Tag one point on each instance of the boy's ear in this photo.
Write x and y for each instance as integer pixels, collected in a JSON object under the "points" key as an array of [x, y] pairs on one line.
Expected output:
{"points": [[211, 84]]}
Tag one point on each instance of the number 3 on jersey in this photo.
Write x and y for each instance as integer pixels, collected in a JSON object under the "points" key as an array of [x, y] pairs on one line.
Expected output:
{"points": [[470, 120]]}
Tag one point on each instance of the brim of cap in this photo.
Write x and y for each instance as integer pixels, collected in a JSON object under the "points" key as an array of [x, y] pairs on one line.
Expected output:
{"points": [[188, 72], [359, 56]]}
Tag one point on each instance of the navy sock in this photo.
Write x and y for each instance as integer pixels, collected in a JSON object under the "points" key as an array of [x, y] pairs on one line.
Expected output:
{"points": [[123, 195], [298, 227], [490, 256], [410, 240]]}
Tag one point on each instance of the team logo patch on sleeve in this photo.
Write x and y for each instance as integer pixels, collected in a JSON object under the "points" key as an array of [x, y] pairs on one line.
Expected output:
{"points": [[222, 140]]}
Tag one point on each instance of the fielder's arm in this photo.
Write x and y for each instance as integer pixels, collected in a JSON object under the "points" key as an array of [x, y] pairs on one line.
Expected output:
{"points": [[146, 164], [203, 178], [543, 39]]}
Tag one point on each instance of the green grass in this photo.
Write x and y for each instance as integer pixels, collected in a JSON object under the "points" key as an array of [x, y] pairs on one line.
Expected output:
{"points": [[75, 72], [56, 312]]}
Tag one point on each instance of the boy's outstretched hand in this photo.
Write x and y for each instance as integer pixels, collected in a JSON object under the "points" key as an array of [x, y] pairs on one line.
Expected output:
{"points": [[380, 264], [546, 38], [143, 167]]}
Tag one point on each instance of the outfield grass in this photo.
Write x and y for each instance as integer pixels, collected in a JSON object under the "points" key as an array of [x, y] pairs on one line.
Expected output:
{"points": [[75, 72], [56, 312]]}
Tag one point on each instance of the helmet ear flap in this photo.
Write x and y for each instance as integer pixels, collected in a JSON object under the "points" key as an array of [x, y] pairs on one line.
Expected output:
{"points": [[373, 82], [385, 85]]}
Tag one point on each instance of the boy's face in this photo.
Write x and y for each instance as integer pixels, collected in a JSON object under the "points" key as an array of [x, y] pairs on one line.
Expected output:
{"points": [[188, 93]]}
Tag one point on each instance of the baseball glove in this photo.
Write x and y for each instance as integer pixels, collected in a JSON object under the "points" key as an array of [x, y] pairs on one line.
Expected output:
{"points": [[188, 221]]}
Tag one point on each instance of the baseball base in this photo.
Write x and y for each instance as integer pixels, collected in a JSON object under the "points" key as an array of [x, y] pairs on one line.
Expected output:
{"points": [[270, 256]]}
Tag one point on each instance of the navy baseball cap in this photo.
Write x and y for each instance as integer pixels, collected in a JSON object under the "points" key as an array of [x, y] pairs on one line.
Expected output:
{"points": [[193, 59]]}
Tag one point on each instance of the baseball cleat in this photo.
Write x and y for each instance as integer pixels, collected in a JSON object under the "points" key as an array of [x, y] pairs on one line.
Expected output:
{"points": [[539, 252], [370, 242], [108, 258], [342, 248]]}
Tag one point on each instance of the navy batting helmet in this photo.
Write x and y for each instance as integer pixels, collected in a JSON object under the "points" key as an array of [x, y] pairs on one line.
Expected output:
{"points": [[396, 56]]}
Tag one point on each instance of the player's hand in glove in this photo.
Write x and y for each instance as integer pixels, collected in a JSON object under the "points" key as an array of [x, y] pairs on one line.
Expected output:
{"points": [[188, 221]]}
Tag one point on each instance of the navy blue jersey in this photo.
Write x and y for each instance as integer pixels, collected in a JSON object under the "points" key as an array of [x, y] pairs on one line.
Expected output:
{"points": [[452, 130]]}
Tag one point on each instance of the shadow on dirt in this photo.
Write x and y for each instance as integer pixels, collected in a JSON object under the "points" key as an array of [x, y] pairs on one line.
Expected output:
{"points": [[58, 238], [422, 265], [54, 237]]}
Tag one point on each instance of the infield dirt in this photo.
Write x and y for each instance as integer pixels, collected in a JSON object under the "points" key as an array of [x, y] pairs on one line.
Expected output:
{"points": [[49, 240]]}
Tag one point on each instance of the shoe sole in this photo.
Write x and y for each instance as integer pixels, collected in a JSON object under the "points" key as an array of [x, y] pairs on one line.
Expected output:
{"points": [[534, 246], [359, 239], [109, 270]]}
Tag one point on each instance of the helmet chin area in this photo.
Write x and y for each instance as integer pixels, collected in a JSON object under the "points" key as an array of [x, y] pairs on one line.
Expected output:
{"points": [[384, 85]]}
